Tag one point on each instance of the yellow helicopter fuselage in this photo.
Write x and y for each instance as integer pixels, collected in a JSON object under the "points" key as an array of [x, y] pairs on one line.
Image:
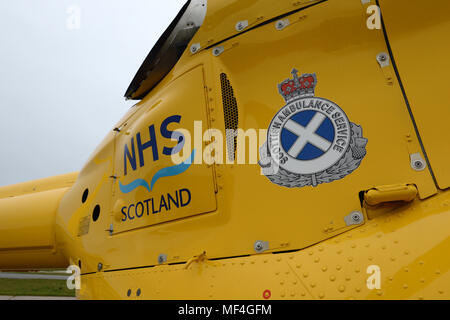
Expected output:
{"points": [[171, 205]]}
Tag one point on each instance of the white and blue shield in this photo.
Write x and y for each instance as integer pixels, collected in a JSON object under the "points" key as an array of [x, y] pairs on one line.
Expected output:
{"points": [[310, 140]]}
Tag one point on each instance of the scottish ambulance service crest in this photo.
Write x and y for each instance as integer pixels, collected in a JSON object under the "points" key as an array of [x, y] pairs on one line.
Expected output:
{"points": [[310, 141]]}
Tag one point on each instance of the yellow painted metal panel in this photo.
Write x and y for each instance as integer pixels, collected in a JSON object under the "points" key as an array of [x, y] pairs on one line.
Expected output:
{"points": [[156, 189], [82, 239], [56, 182], [225, 18], [327, 258], [27, 231], [342, 53], [407, 245], [418, 34]]}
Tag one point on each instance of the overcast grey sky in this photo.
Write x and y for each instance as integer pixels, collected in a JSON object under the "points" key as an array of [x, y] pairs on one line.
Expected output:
{"points": [[62, 78]]}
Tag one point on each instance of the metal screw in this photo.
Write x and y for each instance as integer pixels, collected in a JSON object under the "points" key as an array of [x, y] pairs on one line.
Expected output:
{"points": [[195, 47], [281, 24], [259, 246], [241, 25], [383, 59], [100, 266], [162, 258], [356, 217], [418, 164], [218, 51]]}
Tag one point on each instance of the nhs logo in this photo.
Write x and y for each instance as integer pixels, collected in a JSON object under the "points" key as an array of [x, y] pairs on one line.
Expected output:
{"points": [[133, 153]]}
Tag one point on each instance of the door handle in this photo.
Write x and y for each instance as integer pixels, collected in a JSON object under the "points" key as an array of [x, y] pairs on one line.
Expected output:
{"points": [[390, 193]]}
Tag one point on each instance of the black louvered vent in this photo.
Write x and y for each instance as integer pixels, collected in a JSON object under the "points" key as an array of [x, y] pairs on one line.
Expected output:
{"points": [[230, 111]]}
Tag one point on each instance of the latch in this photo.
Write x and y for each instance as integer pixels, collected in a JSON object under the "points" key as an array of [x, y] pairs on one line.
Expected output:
{"points": [[390, 193], [384, 199]]}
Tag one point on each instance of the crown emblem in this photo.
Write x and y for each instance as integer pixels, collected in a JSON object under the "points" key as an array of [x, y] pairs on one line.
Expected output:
{"points": [[298, 87]]}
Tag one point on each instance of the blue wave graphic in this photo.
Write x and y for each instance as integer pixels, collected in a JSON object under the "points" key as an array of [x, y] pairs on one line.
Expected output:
{"points": [[135, 184], [165, 172], [174, 170]]}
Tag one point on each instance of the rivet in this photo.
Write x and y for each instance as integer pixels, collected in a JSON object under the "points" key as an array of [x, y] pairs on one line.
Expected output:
{"points": [[305, 275], [317, 259], [324, 268], [332, 278], [338, 267], [422, 280], [358, 289], [320, 249], [441, 291], [438, 271], [405, 286], [321, 295], [350, 259], [380, 293], [406, 252], [347, 278], [298, 266], [282, 282], [312, 284], [341, 288], [357, 270]]}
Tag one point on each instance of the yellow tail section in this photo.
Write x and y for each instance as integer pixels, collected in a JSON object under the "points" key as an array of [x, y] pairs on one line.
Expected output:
{"points": [[27, 223]]}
